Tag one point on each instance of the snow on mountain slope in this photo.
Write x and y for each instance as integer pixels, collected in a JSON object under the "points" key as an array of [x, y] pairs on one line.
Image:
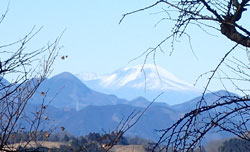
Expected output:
{"points": [[147, 81], [149, 76], [88, 76]]}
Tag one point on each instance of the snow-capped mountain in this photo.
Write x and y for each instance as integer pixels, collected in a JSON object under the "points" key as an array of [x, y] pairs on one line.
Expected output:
{"points": [[147, 81]]}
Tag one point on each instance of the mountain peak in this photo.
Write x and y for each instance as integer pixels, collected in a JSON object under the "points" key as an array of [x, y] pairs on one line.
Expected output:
{"points": [[141, 99], [67, 79], [154, 71], [144, 66], [146, 80], [151, 76], [65, 75]]}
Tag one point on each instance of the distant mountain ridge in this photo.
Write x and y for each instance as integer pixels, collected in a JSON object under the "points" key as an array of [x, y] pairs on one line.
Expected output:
{"points": [[67, 91], [107, 117], [146, 80], [154, 76], [81, 109], [209, 98]]}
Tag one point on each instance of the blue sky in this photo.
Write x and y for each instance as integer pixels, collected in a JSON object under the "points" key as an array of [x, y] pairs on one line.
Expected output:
{"points": [[95, 42]]}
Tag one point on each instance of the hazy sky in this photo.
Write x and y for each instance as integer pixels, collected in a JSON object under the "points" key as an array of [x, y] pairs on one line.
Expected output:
{"points": [[95, 42]]}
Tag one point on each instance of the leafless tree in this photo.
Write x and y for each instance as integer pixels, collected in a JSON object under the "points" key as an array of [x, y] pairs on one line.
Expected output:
{"points": [[229, 112], [22, 70]]}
